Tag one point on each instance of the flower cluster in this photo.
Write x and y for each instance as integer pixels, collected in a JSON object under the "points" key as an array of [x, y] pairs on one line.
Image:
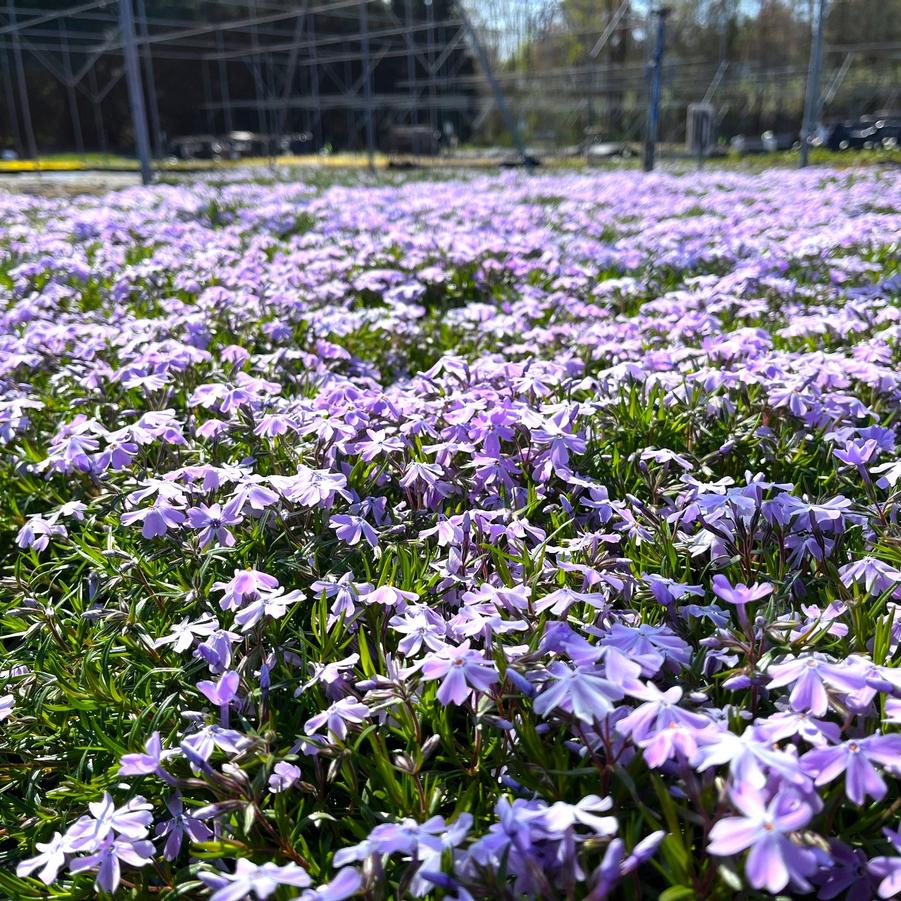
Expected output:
{"points": [[490, 537]]}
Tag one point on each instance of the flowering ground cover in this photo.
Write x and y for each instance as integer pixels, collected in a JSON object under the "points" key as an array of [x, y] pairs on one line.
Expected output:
{"points": [[485, 538]]}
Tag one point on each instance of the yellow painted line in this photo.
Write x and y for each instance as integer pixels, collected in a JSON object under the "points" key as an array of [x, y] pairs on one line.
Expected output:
{"points": [[40, 166]]}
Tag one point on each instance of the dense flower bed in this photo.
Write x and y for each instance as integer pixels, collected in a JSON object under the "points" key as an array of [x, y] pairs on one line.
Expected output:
{"points": [[487, 538]]}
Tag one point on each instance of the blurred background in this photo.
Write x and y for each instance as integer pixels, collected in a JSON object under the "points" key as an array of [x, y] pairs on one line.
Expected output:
{"points": [[223, 81]]}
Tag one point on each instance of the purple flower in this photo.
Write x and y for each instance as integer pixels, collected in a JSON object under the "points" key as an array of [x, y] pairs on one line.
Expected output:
{"points": [[106, 858], [855, 758], [220, 693], [131, 821], [617, 864], [157, 519], [857, 453], [561, 816], [462, 671], [183, 824], [810, 676], [284, 775], [245, 585], [50, 859], [775, 861], [739, 594], [583, 691], [352, 528], [182, 635], [272, 604], [144, 764], [336, 718], [213, 522], [347, 883], [253, 880], [875, 575]]}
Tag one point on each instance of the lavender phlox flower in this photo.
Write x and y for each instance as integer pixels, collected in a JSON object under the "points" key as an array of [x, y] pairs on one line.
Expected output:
{"points": [[787, 724], [183, 824], [150, 761], [845, 873], [156, 519], [664, 456], [7, 702], [617, 864], [345, 592], [346, 883], [888, 869], [826, 621], [875, 575], [183, 634], [660, 710], [198, 747], [217, 649], [388, 596], [462, 671], [50, 859], [668, 591], [857, 453], [419, 625], [351, 529], [810, 676], [245, 585], [424, 843], [749, 758], [651, 646], [251, 493], [560, 600], [131, 821], [561, 816], [273, 604], [274, 424], [765, 825], [855, 758], [107, 856], [329, 674], [585, 692], [514, 600], [213, 522], [37, 532], [337, 716], [252, 880], [223, 692], [891, 473], [311, 487], [377, 443], [284, 775], [739, 594], [560, 441]]}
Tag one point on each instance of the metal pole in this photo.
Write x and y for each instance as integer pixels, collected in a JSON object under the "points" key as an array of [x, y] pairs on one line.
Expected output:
{"points": [[99, 126], [367, 83], [413, 113], [11, 102], [812, 98], [70, 90], [223, 87], [499, 99], [147, 59], [22, 85], [314, 86], [135, 90], [653, 124]]}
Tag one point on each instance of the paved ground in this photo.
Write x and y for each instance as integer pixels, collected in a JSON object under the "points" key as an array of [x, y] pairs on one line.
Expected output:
{"points": [[55, 184]]}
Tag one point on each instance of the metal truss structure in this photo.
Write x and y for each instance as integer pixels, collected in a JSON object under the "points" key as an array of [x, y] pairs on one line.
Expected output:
{"points": [[297, 72], [283, 66]]}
